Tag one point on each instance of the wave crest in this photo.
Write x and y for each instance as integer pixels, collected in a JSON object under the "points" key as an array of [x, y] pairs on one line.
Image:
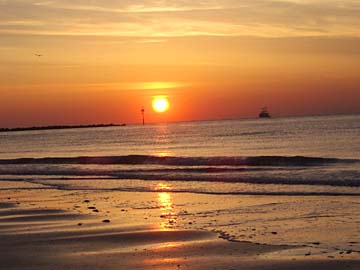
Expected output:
{"points": [[183, 161]]}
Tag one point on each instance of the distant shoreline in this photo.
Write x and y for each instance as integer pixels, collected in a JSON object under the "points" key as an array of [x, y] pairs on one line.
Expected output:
{"points": [[60, 127]]}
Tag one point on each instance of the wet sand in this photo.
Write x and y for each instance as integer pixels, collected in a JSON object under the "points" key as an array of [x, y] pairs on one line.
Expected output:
{"points": [[53, 229]]}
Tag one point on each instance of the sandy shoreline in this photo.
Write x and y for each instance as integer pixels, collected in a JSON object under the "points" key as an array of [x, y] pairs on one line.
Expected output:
{"points": [[55, 229]]}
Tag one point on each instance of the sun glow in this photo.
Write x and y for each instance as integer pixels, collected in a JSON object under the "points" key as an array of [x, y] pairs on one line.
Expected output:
{"points": [[160, 104]]}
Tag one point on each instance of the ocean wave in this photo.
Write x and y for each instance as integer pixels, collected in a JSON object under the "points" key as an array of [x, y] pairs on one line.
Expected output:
{"points": [[342, 179], [184, 161], [297, 170]]}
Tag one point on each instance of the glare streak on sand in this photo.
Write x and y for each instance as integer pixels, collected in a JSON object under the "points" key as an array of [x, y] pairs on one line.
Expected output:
{"points": [[56, 229]]}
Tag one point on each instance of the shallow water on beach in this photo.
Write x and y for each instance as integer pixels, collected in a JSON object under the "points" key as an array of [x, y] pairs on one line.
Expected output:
{"points": [[300, 224]]}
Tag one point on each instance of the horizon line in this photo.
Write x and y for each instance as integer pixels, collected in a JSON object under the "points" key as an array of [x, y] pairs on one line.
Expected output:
{"points": [[99, 125]]}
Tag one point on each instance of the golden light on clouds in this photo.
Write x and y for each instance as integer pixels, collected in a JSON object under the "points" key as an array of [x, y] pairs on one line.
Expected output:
{"points": [[168, 18], [157, 85]]}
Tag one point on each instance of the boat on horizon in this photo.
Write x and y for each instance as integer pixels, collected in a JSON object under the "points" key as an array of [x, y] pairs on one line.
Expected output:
{"points": [[264, 113]]}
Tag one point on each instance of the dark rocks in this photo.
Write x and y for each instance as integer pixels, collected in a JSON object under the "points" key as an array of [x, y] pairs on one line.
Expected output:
{"points": [[106, 221]]}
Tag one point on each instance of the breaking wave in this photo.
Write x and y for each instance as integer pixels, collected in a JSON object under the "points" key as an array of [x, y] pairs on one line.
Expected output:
{"points": [[280, 170], [184, 161]]}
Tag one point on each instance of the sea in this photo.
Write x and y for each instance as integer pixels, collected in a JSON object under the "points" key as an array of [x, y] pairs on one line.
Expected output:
{"points": [[289, 156]]}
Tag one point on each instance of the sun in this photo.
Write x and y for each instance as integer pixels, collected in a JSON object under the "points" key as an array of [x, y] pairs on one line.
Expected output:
{"points": [[160, 104]]}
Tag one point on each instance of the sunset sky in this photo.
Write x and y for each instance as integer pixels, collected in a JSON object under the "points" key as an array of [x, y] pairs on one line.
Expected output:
{"points": [[213, 59]]}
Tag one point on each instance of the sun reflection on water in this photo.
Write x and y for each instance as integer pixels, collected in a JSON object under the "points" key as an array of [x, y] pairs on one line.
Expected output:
{"points": [[163, 154], [165, 201], [162, 187], [166, 206]]}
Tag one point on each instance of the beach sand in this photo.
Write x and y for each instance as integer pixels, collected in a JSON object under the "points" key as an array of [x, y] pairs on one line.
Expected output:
{"points": [[57, 229]]}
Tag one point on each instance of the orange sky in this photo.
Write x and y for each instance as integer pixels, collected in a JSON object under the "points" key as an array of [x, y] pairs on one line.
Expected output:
{"points": [[213, 59]]}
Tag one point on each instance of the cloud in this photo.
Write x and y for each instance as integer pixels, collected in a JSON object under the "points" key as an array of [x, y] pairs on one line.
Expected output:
{"points": [[167, 18]]}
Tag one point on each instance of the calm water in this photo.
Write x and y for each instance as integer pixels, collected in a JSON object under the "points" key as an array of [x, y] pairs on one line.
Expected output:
{"points": [[303, 155]]}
